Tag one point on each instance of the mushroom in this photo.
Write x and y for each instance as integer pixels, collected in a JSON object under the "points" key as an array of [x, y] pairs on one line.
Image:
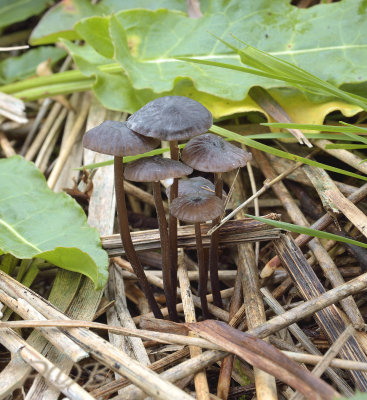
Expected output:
{"points": [[197, 208], [172, 118], [115, 138], [154, 169], [197, 185], [211, 153]]}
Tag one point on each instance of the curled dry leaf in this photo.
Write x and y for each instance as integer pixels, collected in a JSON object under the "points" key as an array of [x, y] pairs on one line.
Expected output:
{"points": [[264, 356]]}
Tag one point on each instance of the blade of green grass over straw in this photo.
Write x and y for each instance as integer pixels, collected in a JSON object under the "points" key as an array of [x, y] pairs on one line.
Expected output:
{"points": [[286, 135], [279, 153], [232, 136], [345, 146], [320, 128], [307, 231], [128, 158], [263, 136]]}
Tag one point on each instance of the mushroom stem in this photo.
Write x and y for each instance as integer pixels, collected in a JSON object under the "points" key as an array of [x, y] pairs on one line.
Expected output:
{"points": [[214, 245], [172, 230], [203, 271], [166, 270], [126, 237]]}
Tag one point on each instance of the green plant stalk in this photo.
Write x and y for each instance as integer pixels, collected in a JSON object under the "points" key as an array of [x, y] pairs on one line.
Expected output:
{"points": [[61, 77], [55, 90], [325, 128], [8, 263], [346, 146]]}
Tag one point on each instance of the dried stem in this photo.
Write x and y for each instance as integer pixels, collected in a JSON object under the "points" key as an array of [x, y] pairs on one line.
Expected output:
{"points": [[200, 380]]}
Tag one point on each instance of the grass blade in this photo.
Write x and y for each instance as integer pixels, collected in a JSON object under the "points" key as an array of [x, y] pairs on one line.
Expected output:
{"points": [[307, 231], [279, 153]]}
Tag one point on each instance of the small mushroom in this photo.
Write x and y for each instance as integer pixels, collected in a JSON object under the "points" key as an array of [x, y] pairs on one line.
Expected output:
{"points": [[196, 208], [211, 153], [172, 118], [197, 185], [115, 138], [154, 169]]}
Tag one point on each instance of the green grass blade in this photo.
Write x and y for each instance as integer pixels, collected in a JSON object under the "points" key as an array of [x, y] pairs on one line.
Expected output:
{"points": [[230, 66], [313, 127], [307, 231], [279, 153], [129, 158], [345, 146], [287, 135]]}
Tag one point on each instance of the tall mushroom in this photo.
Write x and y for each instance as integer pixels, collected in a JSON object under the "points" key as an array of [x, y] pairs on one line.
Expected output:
{"points": [[172, 118], [154, 169], [115, 138], [211, 153], [197, 208]]}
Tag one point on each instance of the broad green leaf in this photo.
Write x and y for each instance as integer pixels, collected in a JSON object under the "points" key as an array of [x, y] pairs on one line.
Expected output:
{"points": [[97, 28], [35, 222], [59, 21], [147, 43], [307, 231], [113, 6], [23, 66], [273, 26], [12, 11]]}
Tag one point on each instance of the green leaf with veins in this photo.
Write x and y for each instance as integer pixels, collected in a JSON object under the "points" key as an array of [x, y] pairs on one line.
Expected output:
{"points": [[324, 40], [36, 222], [59, 21]]}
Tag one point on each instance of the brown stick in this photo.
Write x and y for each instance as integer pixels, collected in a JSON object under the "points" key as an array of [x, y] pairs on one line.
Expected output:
{"points": [[234, 232], [297, 332], [325, 261], [320, 224], [309, 286], [200, 380], [224, 380]]}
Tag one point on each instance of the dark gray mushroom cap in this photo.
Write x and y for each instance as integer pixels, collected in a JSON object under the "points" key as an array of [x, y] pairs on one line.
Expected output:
{"points": [[211, 153], [116, 139], [171, 118], [197, 185], [196, 208], [153, 169]]}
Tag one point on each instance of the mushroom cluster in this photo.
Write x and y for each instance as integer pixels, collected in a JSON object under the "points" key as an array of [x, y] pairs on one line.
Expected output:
{"points": [[195, 200]]}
